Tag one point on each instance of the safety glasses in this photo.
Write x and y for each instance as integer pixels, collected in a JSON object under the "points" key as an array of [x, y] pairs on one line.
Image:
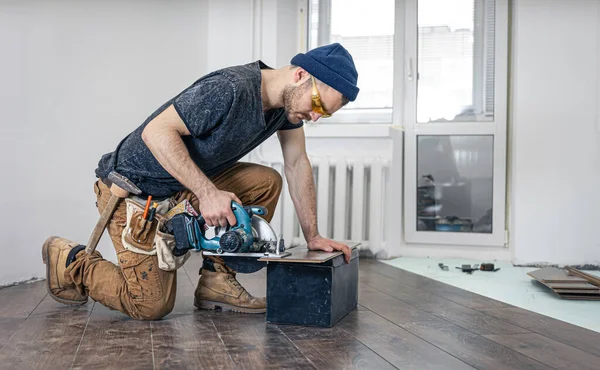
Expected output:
{"points": [[317, 106]]}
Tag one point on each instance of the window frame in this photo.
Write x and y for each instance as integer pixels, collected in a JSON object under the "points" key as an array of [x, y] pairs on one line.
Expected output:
{"points": [[385, 115], [496, 127]]}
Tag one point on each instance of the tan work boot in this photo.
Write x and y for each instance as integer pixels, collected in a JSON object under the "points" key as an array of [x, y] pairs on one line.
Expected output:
{"points": [[221, 289], [60, 286]]}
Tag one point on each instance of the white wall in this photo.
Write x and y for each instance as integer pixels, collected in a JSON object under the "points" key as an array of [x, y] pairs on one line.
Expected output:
{"points": [[75, 77], [555, 132], [78, 76]]}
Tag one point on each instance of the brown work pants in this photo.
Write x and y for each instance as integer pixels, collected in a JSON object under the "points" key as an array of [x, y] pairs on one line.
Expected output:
{"points": [[137, 287]]}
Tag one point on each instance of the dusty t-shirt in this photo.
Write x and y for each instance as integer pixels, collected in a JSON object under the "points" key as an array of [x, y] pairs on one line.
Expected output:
{"points": [[223, 112]]}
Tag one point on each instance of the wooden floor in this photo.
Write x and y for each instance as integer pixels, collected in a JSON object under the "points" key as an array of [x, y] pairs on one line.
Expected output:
{"points": [[403, 321]]}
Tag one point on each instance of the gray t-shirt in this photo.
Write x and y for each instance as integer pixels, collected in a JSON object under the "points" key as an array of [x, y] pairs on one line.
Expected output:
{"points": [[223, 112]]}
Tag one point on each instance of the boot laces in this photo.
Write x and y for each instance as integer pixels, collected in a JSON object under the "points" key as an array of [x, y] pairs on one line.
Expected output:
{"points": [[234, 281]]}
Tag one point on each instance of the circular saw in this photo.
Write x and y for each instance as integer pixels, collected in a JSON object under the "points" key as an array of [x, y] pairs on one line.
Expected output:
{"points": [[251, 234]]}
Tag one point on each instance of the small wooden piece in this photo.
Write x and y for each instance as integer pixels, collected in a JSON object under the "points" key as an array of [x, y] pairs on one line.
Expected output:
{"points": [[578, 286], [301, 254]]}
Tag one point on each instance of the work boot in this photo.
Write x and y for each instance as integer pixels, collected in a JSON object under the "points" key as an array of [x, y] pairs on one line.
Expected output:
{"points": [[61, 288], [220, 289]]}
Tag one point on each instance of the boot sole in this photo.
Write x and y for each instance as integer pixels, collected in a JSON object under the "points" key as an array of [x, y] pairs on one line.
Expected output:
{"points": [[46, 258], [203, 304]]}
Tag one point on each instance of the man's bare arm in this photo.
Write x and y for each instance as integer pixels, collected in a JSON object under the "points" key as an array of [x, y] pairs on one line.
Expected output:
{"points": [[163, 135], [298, 173]]}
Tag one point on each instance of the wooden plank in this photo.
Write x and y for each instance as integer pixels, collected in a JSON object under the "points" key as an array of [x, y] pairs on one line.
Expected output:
{"points": [[333, 348], [575, 336], [465, 317], [469, 347], [578, 291], [589, 278], [8, 326], [115, 341], [187, 338], [48, 337], [579, 297], [460, 296], [253, 344], [584, 339], [19, 301], [301, 254], [554, 275], [548, 351], [396, 345], [586, 286]]}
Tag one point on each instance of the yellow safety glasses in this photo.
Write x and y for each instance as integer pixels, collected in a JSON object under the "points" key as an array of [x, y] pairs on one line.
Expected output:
{"points": [[317, 106]]}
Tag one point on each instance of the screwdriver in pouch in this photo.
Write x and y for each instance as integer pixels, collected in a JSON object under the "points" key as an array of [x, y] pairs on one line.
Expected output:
{"points": [[152, 212]]}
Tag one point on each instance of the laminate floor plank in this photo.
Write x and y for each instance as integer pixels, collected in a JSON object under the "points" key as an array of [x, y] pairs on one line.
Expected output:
{"points": [[548, 351], [460, 296], [465, 317], [467, 346], [115, 341], [48, 338], [575, 336], [8, 326], [396, 345], [578, 337], [20, 300], [186, 338], [254, 344], [334, 348]]}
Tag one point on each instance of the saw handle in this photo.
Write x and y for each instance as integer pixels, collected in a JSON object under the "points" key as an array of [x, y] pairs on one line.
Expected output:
{"points": [[250, 210]]}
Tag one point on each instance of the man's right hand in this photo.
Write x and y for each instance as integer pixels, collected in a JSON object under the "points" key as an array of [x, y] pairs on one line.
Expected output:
{"points": [[215, 207]]}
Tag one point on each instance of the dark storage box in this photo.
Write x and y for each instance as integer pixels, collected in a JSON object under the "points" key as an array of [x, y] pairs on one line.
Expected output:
{"points": [[312, 292]]}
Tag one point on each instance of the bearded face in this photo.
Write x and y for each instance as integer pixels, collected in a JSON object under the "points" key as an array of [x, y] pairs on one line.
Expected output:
{"points": [[297, 102]]}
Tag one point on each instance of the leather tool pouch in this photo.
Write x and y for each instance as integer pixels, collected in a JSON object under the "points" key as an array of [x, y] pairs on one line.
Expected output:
{"points": [[146, 237]]}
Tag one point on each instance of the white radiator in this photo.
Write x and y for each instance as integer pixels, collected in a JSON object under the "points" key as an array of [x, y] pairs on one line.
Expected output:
{"points": [[351, 201]]}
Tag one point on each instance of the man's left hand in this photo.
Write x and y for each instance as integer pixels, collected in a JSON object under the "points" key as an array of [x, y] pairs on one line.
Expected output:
{"points": [[318, 243]]}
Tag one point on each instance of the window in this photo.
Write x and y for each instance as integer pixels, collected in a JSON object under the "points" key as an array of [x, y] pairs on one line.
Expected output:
{"points": [[455, 122], [366, 29], [455, 53], [455, 59]]}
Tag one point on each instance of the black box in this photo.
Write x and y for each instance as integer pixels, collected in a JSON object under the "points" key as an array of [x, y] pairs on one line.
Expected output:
{"points": [[312, 293]]}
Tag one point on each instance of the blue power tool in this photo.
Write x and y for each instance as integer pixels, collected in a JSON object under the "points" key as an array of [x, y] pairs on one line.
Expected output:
{"points": [[246, 236]]}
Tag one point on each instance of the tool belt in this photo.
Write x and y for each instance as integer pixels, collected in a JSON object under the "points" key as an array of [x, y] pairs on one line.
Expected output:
{"points": [[149, 237]]}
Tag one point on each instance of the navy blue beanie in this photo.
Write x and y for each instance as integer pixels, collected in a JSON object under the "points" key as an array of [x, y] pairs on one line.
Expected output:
{"points": [[333, 65]]}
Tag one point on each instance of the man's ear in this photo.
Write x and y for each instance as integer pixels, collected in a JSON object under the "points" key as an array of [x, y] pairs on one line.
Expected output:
{"points": [[300, 75]]}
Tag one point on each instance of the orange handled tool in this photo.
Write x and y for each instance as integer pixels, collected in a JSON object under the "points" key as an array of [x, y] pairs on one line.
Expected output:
{"points": [[147, 207]]}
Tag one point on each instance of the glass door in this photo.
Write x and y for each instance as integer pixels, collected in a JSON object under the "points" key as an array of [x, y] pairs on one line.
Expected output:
{"points": [[455, 121]]}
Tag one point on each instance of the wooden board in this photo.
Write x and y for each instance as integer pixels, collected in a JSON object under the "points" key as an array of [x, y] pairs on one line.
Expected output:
{"points": [[589, 278], [301, 254], [580, 297], [554, 275], [558, 355], [578, 291], [578, 286]]}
